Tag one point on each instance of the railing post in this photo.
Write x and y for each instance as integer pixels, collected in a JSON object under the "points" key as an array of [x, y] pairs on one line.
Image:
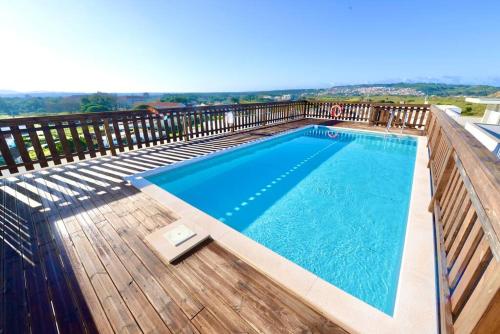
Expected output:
{"points": [[373, 112]]}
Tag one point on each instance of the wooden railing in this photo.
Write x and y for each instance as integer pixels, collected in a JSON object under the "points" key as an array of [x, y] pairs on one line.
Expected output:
{"points": [[42, 141], [466, 207], [412, 115], [26, 143]]}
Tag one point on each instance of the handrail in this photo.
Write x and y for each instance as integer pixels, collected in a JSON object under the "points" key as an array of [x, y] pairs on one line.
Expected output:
{"points": [[466, 205]]}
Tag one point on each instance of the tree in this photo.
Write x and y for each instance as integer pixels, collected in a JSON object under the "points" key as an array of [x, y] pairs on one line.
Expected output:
{"points": [[4, 108], [174, 98], [98, 102], [141, 107]]}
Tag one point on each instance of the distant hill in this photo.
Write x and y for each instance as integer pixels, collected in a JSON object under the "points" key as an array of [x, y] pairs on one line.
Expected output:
{"points": [[15, 104], [401, 88], [13, 93], [418, 89]]}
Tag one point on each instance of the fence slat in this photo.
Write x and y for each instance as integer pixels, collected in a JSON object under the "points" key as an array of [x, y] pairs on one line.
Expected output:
{"points": [[466, 212], [118, 136], [7, 156], [98, 136], [109, 137], [21, 147], [168, 129], [88, 138], [145, 131], [180, 126], [202, 123], [61, 133], [37, 147], [49, 139], [172, 126], [480, 300], [128, 136], [76, 140], [158, 118], [152, 129]]}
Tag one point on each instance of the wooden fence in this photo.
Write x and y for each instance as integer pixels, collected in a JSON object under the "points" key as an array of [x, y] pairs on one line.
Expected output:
{"points": [[466, 207], [412, 115], [26, 143]]}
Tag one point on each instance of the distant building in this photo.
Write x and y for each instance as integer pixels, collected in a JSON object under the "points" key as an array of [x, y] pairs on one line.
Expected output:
{"points": [[284, 97]]}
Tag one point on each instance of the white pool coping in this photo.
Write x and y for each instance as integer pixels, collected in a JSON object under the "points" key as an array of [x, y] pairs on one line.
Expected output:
{"points": [[415, 308]]}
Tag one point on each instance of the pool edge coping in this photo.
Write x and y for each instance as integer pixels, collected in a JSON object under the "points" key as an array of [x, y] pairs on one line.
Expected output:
{"points": [[414, 311]]}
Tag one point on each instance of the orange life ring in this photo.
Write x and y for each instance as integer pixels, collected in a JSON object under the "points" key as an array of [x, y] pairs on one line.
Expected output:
{"points": [[332, 134], [335, 110]]}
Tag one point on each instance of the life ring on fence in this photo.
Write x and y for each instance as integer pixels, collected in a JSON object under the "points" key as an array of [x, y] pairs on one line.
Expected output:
{"points": [[336, 110], [332, 134]]}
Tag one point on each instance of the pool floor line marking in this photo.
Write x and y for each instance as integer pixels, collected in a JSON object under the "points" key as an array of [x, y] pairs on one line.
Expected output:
{"points": [[252, 198]]}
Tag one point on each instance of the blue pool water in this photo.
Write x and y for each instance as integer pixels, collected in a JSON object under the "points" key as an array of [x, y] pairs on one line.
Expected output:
{"points": [[334, 202]]}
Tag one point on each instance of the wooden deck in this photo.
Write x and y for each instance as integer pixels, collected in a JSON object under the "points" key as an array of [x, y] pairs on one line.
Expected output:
{"points": [[73, 259]]}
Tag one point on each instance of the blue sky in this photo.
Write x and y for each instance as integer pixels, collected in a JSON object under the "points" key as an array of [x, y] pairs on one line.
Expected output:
{"points": [[126, 46]]}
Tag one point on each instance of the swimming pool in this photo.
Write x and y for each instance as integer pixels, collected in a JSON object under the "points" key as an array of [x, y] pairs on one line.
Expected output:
{"points": [[334, 202]]}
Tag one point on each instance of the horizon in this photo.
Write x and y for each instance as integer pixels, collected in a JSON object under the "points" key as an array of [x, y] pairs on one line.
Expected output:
{"points": [[4, 92], [228, 46]]}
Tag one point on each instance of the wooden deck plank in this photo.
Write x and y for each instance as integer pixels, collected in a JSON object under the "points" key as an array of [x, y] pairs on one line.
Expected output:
{"points": [[141, 309], [171, 314], [115, 308], [137, 303], [71, 313], [39, 301], [173, 317], [86, 229], [291, 308], [153, 264], [84, 293], [259, 312], [210, 299], [206, 322], [16, 307], [176, 289]]}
